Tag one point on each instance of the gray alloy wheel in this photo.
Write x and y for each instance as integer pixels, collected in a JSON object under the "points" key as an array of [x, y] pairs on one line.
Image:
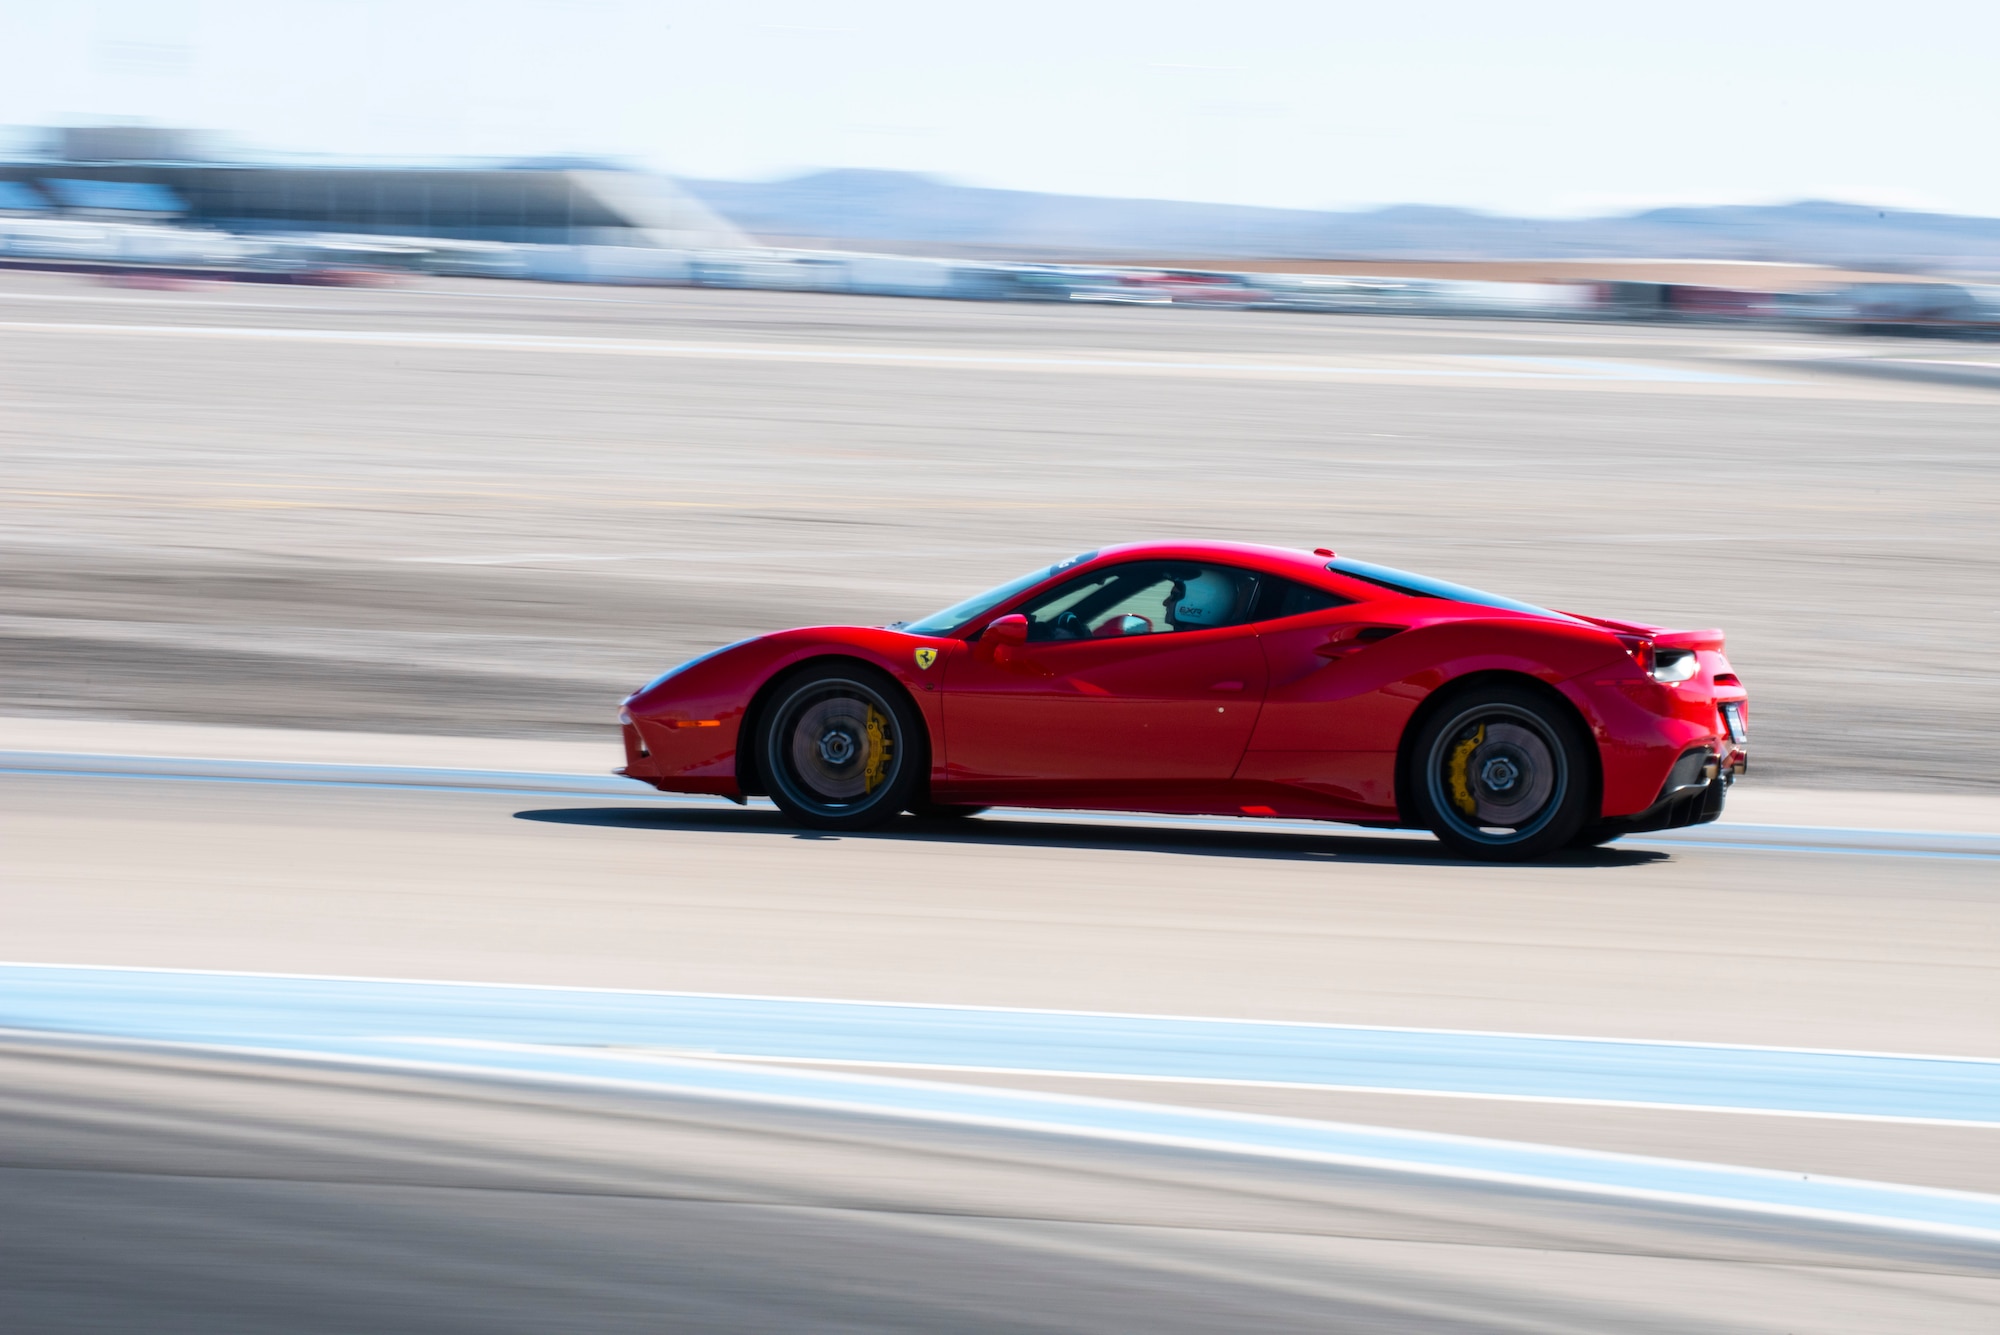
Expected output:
{"points": [[841, 748], [1502, 775]]}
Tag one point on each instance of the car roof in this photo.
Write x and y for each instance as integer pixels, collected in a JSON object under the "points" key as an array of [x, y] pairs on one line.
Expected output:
{"points": [[1312, 567], [1277, 560]]}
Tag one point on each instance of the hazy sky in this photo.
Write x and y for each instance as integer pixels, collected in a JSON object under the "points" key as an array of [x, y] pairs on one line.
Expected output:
{"points": [[1534, 106]]}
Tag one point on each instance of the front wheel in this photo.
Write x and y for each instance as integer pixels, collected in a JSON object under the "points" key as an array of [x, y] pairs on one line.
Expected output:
{"points": [[1502, 774], [842, 748]]}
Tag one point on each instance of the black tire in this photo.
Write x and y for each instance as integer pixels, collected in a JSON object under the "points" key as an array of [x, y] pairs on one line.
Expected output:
{"points": [[1502, 774], [841, 748], [1594, 836]]}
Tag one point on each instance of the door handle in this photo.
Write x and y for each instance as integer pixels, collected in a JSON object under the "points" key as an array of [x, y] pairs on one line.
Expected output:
{"points": [[1227, 686]]}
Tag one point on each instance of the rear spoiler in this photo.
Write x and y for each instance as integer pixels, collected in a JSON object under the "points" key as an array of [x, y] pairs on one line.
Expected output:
{"points": [[1659, 635], [1621, 627], [1689, 639]]}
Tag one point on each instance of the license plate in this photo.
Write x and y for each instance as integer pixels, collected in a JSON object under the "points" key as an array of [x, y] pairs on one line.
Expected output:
{"points": [[1732, 718]]}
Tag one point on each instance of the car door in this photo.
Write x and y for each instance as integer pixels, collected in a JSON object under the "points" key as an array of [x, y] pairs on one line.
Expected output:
{"points": [[1334, 709], [1324, 690], [1109, 710]]}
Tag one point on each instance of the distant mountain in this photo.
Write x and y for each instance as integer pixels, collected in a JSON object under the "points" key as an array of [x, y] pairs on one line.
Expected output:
{"points": [[908, 210]]}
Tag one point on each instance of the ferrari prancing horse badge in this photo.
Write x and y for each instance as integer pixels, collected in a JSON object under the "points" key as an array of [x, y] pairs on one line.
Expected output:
{"points": [[926, 657]]}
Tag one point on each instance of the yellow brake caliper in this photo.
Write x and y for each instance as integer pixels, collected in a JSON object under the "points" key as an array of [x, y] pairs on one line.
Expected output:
{"points": [[1455, 771], [878, 750]]}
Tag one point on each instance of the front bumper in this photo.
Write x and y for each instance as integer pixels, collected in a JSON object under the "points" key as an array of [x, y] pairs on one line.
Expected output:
{"points": [[677, 756]]}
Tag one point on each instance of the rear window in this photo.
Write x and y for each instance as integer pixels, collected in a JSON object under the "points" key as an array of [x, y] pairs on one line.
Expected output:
{"points": [[1278, 598], [1423, 586]]}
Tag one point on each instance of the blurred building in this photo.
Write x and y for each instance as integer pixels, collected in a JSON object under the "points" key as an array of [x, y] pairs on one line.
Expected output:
{"points": [[140, 173]]}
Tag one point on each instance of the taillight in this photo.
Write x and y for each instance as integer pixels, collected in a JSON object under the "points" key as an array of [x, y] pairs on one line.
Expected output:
{"points": [[1668, 665], [1671, 665]]}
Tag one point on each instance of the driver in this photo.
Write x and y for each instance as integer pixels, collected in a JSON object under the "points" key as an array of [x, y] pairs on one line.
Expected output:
{"points": [[1206, 598]]}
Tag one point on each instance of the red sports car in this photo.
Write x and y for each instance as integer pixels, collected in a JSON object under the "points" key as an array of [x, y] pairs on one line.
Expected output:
{"points": [[1217, 679]]}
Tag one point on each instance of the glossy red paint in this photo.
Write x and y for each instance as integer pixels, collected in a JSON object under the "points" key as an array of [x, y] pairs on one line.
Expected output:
{"points": [[1129, 721], [724, 686], [1304, 716]]}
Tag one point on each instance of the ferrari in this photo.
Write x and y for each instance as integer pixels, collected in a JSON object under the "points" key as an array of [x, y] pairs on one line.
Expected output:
{"points": [[1217, 679]]}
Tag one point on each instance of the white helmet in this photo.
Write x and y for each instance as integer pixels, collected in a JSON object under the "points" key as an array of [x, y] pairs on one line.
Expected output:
{"points": [[1209, 599]]}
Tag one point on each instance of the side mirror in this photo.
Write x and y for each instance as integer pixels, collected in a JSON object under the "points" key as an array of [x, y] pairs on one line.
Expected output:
{"points": [[1004, 635], [1007, 630]]}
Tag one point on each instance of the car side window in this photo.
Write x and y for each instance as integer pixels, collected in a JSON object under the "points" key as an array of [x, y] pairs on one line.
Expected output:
{"points": [[1279, 597], [1143, 598]]}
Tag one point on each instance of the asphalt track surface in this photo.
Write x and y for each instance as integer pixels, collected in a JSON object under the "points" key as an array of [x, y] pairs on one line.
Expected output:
{"points": [[699, 1070], [348, 1199], [725, 1140]]}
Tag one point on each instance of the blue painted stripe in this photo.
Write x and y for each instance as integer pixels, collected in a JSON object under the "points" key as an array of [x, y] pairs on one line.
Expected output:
{"points": [[608, 1038], [1963, 1215], [261, 1010], [1849, 850], [318, 772]]}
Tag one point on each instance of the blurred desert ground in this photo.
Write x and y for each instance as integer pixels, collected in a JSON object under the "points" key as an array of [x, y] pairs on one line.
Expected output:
{"points": [[491, 509]]}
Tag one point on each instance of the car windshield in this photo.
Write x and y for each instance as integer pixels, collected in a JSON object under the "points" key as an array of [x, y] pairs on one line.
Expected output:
{"points": [[943, 623], [1423, 586]]}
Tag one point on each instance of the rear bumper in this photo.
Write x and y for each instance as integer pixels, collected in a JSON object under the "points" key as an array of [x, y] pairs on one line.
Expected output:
{"points": [[1646, 732], [1693, 794]]}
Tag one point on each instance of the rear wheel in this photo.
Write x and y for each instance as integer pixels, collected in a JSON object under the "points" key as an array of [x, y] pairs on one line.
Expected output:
{"points": [[842, 748], [1502, 775]]}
